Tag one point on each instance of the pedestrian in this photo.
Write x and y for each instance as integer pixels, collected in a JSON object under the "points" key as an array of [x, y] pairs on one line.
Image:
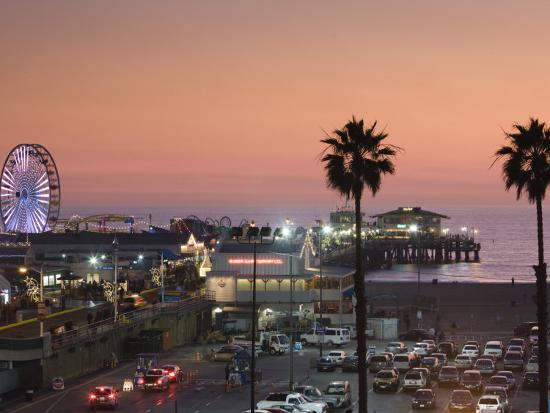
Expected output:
{"points": [[513, 281], [227, 371]]}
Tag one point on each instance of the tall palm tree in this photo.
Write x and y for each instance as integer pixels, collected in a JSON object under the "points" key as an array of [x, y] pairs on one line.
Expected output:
{"points": [[526, 167], [355, 158]]}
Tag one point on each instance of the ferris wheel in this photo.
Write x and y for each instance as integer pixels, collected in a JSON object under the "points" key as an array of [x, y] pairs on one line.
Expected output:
{"points": [[30, 191]]}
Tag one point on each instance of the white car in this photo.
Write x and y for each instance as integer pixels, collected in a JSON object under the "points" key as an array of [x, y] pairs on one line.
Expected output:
{"points": [[296, 399], [519, 349], [494, 348], [421, 349], [415, 380], [463, 361], [532, 364], [534, 335], [471, 350], [337, 356], [489, 404]]}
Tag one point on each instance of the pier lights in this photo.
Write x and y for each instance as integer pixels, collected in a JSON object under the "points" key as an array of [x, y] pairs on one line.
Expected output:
{"points": [[254, 235], [413, 229], [103, 257], [140, 257], [93, 260]]}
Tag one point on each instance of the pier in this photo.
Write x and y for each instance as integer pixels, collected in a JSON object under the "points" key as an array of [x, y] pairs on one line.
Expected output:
{"points": [[384, 252]]}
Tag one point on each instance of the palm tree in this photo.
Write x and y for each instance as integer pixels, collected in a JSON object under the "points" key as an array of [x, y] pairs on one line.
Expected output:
{"points": [[526, 167], [355, 158]]}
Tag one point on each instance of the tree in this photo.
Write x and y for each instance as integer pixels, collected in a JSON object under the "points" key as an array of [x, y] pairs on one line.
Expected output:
{"points": [[355, 158], [526, 167]]}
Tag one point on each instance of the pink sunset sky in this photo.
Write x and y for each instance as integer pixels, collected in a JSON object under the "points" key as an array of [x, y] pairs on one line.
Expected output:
{"points": [[223, 102]]}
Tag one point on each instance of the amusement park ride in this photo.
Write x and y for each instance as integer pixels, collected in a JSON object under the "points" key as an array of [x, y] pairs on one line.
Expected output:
{"points": [[30, 200]]}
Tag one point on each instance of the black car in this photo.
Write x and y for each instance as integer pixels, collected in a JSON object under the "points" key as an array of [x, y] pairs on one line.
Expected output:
{"points": [[418, 334], [462, 401], [531, 380], [325, 364], [423, 399], [350, 363]]}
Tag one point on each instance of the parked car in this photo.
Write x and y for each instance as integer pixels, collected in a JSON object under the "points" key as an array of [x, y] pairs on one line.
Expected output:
{"points": [[396, 347], [423, 399], [461, 401], [296, 399], [379, 362], [227, 353], [534, 335], [415, 380], [422, 349], [448, 376], [325, 364], [463, 361], [387, 379], [426, 373], [103, 396], [352, 330], [513, 360], [448, 348], [432, 347], [531, 380], [405, 362], [472, 380], [489, 403], [316, 395], [488, 357], [501, 393], [518, 342], [485, 367], [442, 357], [350, 363], [337, 356], [473, 343], [509, 376], [340, 391], [494, 348], [418, 334], [519, 349], [471, 350], [532, 364], [499, 381], [331, 336], [432, 364]]}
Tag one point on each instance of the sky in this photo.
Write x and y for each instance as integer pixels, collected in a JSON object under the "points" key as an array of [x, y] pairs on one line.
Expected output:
{"points": [[221, 104]]}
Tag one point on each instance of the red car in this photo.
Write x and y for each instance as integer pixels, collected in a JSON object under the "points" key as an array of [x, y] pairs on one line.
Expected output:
{"points": [[174, 373]]}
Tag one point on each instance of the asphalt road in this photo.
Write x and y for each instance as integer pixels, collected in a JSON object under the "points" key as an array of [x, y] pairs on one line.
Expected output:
{"points": [[207, 394]]}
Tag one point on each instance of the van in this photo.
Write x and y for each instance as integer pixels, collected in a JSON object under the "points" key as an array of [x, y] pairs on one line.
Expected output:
{"points": [[332, 336], [405, 362], [352, 330]]}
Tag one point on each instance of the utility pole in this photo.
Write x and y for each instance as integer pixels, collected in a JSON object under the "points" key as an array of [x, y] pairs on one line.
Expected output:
{"points": [[115, 283]]}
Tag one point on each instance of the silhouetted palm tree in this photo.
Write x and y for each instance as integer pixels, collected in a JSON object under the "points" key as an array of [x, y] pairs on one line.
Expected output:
{"points": [[356, 158], [527, 168]]}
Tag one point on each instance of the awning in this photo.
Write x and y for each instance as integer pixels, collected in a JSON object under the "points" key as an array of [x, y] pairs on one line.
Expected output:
{"points": [[169, 255]]}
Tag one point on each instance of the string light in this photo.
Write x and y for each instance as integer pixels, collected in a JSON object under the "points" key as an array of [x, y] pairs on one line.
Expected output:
{"points": [[33, 289]]}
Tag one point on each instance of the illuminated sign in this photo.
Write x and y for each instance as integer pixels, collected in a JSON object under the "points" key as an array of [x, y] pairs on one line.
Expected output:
{"points": [[260, 261], [407, 209]]}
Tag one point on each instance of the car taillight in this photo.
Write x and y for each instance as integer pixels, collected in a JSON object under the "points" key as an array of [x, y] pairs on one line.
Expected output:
{"points": [[172, 374], [111, 396], [159, 381], [164, 371], [140, 381], [92, 396]]}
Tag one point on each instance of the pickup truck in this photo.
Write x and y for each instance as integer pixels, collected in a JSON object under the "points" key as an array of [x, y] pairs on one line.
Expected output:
{"points": [[155, 379], [274, 399]]}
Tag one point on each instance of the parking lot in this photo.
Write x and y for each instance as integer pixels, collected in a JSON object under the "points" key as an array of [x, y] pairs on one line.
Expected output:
{"points": [[206, 394]]}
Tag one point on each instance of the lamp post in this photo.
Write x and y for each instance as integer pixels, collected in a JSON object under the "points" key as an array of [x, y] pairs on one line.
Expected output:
{"points": [[254, 236], [325, 230], [414, 229], [115, 265]]}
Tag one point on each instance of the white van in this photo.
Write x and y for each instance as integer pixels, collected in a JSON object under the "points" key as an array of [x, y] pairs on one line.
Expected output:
{"points": [[494, 348], [332, 336]]}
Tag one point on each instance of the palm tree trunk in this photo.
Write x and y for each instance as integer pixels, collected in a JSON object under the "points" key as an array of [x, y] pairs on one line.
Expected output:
{"points": [[542, 314], [360, 310]]}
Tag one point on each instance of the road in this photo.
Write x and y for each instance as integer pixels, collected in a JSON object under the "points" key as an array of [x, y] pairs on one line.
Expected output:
{"points": [[207, 395]]}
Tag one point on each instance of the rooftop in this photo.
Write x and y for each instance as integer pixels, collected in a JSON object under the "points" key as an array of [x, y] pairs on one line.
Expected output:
{"points": [[411, 211]]}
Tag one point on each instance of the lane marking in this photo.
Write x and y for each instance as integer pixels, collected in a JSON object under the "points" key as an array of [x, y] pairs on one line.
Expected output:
{"points": [[56, 402]]}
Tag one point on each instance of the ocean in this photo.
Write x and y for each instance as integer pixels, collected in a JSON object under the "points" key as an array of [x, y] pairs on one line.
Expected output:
{"points": [[507, 235]]}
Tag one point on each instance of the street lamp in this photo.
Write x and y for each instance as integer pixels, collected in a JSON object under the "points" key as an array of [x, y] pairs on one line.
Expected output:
{"points": [[324, 230], [414, 230], [254, 236]]}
